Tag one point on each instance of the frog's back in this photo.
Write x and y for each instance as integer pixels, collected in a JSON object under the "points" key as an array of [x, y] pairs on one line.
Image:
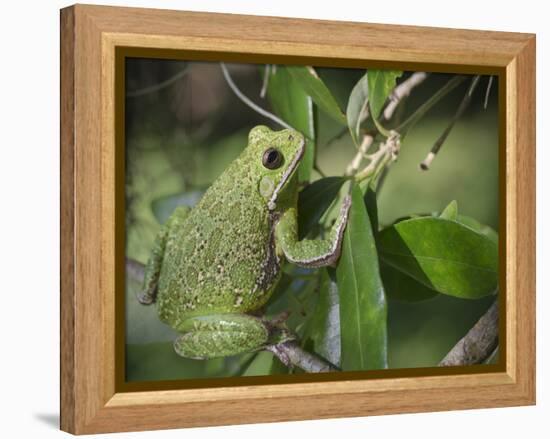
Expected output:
{"points": [[220, 259]]}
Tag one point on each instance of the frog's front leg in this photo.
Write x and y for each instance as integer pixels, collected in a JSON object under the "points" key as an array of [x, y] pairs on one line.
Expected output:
{"points": [[152, 269], [311, 252], [220, 335]]}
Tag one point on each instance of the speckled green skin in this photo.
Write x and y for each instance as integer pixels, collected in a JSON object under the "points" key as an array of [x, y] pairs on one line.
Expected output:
{"points": [[212, 265]]}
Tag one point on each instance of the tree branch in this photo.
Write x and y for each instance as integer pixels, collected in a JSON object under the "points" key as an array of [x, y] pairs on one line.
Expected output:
{"points": [[353, 166], [288, 352], [478, 344], [402, 91]]}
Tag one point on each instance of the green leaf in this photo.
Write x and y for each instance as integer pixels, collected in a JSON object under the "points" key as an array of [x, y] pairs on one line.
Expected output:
{"points": [[296, 296], [357, 107], [277, 367], [316, 88], [164, 206], [443, 255], [290, 102], [262, 365], [380, 85], [450, 212], [371, 205], [323, 332], [478, 227], [314, 200], [363, 308], [399, 286]]}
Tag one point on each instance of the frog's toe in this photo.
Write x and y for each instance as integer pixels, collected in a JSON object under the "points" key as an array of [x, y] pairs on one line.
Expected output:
{"points": [[145, 298]]}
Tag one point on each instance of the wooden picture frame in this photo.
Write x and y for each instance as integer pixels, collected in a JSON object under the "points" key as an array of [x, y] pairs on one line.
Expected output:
{"points": [[91, 402]]}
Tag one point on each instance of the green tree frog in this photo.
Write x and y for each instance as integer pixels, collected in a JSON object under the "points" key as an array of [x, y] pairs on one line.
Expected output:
{"points": [[212, 267]]}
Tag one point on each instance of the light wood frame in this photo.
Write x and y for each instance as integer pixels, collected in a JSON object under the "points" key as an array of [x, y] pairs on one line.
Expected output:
{"points": [[89, 38]]}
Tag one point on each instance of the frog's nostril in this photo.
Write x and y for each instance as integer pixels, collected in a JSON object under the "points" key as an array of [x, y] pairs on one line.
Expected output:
{"points": [[290, 137]]}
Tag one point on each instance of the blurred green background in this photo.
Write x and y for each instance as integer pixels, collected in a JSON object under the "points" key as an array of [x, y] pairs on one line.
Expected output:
{"points": [[184, 126]]}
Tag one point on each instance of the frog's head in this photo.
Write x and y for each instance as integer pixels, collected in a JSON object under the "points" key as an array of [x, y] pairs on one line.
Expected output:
{"points": [[275, 157]]}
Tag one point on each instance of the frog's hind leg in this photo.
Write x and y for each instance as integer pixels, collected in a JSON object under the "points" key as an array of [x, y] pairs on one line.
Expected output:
{"points": [[220, 335], [152, 270]]}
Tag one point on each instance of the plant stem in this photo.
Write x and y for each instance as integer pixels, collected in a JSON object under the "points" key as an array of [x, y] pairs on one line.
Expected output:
{"points": [[425, 165], [488, 92], [290, 353], [401, 91], [159, 86], [434, 99], [353, 166], [387, 152], [246, 100]]}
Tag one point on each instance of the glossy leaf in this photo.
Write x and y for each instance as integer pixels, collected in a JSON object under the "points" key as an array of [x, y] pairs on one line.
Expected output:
{"points": [[262, 364], [323, 333], [316, 88], [380, 84], [399, 286], [450, 212], [363, 308], [277, 367], [292, 104], [478, 227], [357, 107], [371, 205], [314, 200], [295, 294], [443, 255]]}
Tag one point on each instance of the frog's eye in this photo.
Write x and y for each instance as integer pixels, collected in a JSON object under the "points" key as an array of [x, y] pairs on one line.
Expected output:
{"points": [[272, 158]]}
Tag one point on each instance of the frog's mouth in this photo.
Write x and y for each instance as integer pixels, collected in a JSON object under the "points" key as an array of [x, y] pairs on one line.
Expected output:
{"points": [[289, 172]]}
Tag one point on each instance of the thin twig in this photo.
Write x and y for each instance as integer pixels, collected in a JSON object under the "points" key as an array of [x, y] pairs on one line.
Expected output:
{"points": [[426, 106], [488, 92], [159, 86], [265, 81], [425, 165], [354, 164], [248, 102], [401, 91], [387, 152], [288, 352], [478, 344], [493, 358]]}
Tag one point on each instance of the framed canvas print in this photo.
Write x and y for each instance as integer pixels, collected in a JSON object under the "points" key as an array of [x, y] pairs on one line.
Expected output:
{"points": [[271, 219]]}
